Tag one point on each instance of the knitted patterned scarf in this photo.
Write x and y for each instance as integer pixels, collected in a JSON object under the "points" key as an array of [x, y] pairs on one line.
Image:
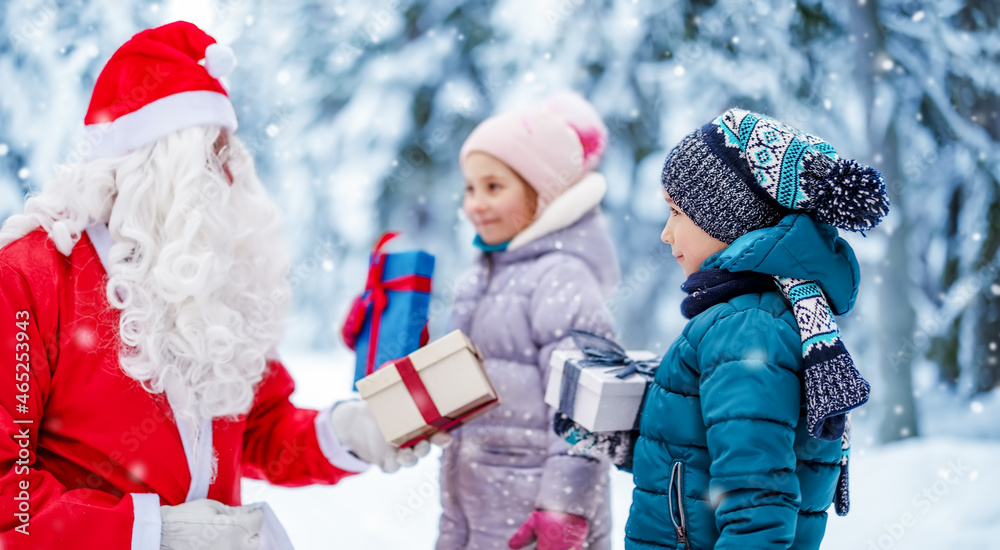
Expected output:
{"points": [[832, 385]]}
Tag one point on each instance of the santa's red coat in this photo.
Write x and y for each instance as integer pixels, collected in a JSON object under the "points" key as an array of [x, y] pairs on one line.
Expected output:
{"points": [[80, 437]]}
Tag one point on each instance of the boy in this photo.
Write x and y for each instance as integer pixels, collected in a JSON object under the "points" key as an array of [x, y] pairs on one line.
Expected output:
{"points": [[742, 437]]}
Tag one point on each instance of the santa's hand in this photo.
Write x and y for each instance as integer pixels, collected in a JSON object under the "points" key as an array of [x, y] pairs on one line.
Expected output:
{"points": [[208, 523], [442, 439], [357, 430]]}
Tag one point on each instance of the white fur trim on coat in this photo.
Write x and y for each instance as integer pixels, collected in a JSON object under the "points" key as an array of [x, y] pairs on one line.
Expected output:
{"points": [[565, 210], [146, 523]]}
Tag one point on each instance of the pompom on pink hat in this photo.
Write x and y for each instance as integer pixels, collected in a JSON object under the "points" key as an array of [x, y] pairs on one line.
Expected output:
{"points": [[551, 147]]}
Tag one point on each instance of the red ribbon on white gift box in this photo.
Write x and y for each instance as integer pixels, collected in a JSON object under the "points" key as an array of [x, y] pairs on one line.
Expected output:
{"points": [[428, 410]]}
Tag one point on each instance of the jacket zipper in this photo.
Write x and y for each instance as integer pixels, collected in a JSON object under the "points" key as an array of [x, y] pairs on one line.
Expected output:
{"points": [[677, 473]]}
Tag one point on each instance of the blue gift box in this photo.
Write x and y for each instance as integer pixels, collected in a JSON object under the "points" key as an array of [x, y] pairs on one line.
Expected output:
{"points": [[405, 280]]}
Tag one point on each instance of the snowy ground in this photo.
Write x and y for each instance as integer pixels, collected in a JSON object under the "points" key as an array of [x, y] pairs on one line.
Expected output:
{"points": [[927, 493]]}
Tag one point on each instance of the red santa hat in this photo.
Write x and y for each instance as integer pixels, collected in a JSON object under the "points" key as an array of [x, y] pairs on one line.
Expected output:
{"points": [[156, 84]]}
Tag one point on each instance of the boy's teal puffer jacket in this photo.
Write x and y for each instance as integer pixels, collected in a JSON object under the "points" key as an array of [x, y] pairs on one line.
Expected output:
{"points": [[723, 459]]}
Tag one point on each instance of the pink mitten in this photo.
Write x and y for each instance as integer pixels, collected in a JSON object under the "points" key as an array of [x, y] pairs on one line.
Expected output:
{"points": [[554, 531]]}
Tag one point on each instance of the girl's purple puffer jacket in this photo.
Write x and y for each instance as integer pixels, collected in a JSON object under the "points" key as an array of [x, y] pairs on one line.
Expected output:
{"points": [[518, 306]]}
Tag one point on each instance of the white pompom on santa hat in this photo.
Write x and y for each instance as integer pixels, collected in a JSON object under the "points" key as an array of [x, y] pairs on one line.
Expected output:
{"points": [[156, 84]]}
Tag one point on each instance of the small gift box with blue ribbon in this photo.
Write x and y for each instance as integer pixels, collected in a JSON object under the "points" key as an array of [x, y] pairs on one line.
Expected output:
{"points": [[600, 386]]}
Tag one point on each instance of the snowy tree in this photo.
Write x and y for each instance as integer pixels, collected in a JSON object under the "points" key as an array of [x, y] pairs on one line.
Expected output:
{"points": [[948, 63]]}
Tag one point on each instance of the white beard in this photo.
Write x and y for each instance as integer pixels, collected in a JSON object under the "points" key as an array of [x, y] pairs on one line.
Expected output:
{"points": [[198, 268]]}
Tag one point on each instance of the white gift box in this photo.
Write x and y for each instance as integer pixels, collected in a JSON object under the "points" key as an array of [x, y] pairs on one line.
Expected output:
{"points": [[604, 402], [449, 370]]}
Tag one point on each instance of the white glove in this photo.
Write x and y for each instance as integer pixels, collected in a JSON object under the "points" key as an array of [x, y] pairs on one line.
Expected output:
{"points": [[357, 430], [208, 523]]}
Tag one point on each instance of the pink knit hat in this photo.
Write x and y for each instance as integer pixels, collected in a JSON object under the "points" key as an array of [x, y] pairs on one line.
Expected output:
{"points": [[551, 147]]}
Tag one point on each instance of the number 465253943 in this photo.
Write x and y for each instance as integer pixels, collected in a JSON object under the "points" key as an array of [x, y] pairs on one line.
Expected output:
{"points": [[21, 357]]}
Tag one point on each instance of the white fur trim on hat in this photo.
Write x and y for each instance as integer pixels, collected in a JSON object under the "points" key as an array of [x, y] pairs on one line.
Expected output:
{"points": [[157, 119]]}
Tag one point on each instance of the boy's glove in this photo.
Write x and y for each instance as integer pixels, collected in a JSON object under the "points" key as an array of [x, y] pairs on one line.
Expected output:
{"points": [[615, 447], [208, 523], [553, 530]]}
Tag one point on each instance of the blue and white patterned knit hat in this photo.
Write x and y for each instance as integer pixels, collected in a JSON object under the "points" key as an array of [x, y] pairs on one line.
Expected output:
{"points": [[744, 171]]}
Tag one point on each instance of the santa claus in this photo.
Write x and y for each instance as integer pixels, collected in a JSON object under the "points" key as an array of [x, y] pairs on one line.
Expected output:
{"points": [[143, 292]]}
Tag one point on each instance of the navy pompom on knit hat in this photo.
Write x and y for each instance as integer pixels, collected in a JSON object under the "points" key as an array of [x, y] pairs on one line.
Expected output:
{"points": [[744, 171]]}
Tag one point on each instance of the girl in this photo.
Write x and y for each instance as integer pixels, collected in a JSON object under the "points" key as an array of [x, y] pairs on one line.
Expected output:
{"points": [[742, 437], [546, 267]]}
